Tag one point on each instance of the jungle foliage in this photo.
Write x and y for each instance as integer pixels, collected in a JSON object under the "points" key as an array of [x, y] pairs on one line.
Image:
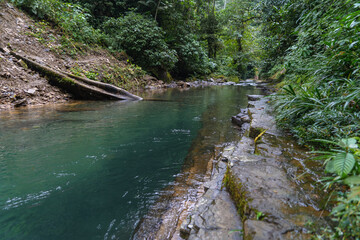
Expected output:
{"points": [[186, 38], [314, 47]]}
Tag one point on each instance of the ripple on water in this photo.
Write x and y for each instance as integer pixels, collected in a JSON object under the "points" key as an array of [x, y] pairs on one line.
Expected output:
{"points": [[72, 174]]}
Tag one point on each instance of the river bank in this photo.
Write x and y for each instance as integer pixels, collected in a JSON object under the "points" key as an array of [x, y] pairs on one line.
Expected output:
{"points": [[268, 179], [39, 41], [261, 185], [259, 170]]}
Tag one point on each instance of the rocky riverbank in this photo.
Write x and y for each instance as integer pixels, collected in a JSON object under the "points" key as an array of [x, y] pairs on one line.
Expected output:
{"points": [[158, 84], [261, 186]]}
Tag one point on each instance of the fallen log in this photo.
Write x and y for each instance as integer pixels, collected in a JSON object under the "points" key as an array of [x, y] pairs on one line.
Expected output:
{"points": [[80, 87], [105, 86]]}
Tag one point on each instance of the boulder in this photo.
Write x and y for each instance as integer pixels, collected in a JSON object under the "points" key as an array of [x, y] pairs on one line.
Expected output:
{"points": [[241, 118]]}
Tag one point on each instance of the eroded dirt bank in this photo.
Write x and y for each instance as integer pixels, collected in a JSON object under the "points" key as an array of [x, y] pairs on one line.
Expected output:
{"points": [[48, 46]]}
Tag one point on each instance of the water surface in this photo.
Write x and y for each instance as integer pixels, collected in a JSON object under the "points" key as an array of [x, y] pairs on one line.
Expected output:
{"points": [[92, 170]]}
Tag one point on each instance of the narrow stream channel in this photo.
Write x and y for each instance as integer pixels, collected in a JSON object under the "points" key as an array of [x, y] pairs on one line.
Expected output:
{"points": [[93, 170]]}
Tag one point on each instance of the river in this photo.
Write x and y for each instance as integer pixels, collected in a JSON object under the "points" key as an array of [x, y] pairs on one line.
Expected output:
{"points": [[93, 170]]}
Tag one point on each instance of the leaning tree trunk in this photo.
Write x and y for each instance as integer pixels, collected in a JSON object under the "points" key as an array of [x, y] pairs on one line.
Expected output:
{"points": [[80, 87]]}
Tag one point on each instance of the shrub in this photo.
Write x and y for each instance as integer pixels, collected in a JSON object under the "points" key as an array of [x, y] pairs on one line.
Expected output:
{"points": [[317, 111], [142, 39], [343, 163], [192, 57], [71, 18]]}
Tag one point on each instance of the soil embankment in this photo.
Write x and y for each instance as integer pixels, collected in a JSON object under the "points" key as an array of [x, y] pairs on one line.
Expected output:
{"points": [[19, 84]]}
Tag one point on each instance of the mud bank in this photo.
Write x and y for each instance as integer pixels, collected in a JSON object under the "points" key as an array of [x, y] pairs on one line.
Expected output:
{"points": [[262, 187]]}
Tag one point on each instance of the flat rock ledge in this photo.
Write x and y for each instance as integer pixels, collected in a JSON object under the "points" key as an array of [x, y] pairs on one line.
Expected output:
{"points": [[264, 201]]}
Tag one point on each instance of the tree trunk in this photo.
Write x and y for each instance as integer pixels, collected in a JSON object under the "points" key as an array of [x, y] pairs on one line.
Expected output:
{"points": [[157, 9], [80, 87]]}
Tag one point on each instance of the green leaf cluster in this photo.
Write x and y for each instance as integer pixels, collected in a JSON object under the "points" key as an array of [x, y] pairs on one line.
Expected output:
{"points": [[71, 18], [317, 44], [311, 111], [343, 162], [142, 39]]}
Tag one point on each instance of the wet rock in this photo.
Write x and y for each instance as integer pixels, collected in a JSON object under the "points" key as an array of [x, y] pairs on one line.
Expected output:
{"points": [[262, 118], [171, 85], [183, 84], [254, 97], [214, 217], [31, 90], [228, 84], [259, 168], [241, 118], [20, 102], [225, 159], [260, 230]]}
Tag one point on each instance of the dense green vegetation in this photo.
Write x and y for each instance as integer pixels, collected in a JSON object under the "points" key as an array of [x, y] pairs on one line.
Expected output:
{"points": [[310, 48], [322, 63], [185, 38]]}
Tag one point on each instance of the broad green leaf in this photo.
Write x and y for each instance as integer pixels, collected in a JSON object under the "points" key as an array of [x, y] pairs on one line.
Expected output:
{"points": [[324, 141], [355, 192], [354, 23], [338, 208], [343, 163], [352, 180], [330, 167], [348, 143]]}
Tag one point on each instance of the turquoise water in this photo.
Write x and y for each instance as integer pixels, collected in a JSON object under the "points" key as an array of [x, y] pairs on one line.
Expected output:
{"points": [[92, 170]]}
